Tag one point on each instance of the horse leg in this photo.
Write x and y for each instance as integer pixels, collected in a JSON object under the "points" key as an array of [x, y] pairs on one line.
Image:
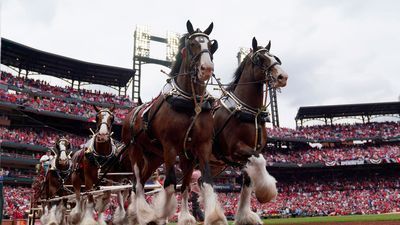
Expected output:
{"points": [[264, 183], [214, 215], [88, 215], [165, 202], [119, 214], [185, 218], [76, 213], [101, 205], [145, 213], [244, 215], [135, 157]]}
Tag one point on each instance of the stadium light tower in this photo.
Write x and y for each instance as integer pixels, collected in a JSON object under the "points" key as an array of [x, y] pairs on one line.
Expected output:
{"points": [[243, 52], [172, 45], [141, 53], [142, 41]]}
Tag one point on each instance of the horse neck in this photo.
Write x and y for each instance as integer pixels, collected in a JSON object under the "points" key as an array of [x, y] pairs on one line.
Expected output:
{"points": [[249, 93], [184, 82], [103, 148]]}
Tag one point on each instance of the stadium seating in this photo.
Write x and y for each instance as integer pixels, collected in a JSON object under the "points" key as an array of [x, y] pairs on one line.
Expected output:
{"points": [[339, 132]]}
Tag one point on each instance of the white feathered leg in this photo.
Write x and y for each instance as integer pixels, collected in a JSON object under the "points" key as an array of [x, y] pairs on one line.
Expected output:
{"points": [[101, 206], [264, 184], [44, 219], [131, 213], [164, 203], [120, 214], [75, 215], [185, 218], [244, 215], [214, 215], [145, 213], [88, 216]]}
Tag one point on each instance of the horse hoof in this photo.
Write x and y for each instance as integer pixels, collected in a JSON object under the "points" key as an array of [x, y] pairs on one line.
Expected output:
{"points": [[187, 221], [249, 218]]}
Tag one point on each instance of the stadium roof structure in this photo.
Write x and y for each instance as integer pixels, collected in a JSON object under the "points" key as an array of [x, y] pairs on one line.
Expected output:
{"points": [[351, 110], [23, 57]]}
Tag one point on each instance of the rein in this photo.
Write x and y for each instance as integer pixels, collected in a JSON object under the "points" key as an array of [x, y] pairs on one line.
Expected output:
{"points": [[197, 104]]}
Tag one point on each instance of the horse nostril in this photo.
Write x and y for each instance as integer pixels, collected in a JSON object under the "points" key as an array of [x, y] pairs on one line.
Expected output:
{"points": [[282, 77], [206, 68]]}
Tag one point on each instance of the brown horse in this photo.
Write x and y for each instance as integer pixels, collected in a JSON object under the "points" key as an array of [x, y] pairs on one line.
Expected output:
{"points": [[239, 126], [57, 175], [177, 123], [98, 152], [60, 169]]}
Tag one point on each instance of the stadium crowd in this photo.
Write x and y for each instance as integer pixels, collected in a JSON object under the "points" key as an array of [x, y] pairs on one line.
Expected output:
{"points": [[36, 136], [57, 105], [66, 92], [18, 172], [355, 152], [339, 131], [16, 202]]}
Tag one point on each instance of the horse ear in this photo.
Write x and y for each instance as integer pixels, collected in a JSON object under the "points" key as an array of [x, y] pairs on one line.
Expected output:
{"points": [[189, 27], [140, 102], [95, 108], [268, 47], [209, 29], [112, 108], [254, 44], [214, 47]]}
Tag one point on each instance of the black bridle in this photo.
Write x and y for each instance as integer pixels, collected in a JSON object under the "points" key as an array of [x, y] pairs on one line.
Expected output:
{"points": [[266, 69], [195, 58]]}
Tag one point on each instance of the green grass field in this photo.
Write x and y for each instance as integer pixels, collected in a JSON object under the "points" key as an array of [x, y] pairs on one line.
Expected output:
{"points": [[357, 218]]}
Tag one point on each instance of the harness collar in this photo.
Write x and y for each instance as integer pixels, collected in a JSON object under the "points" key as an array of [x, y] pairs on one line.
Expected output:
{"points": [[171, 88]]}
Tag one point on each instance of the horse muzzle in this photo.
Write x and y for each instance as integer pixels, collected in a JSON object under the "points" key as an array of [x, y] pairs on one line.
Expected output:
{"points": [[281, 80], [205, 72], [102, 138]]}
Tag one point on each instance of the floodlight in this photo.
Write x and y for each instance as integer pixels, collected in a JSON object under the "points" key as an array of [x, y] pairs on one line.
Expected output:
{"points": [[142, 41], [172, 45], [243, 52]]}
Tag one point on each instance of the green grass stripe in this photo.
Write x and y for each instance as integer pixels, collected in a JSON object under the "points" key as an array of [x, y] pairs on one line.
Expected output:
{"points": [[355, 218]]}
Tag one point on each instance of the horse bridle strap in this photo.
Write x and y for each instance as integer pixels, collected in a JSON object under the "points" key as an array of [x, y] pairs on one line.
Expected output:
{"points": [[239, 106], [91, 150], [174, 89]]}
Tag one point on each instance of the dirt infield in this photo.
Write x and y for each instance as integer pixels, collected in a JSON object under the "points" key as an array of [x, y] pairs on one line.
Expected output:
{"points": [[349, 223]]}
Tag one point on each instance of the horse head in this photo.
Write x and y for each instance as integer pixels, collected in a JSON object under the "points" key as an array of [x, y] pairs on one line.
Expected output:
{"points": [[62, 152], [199, 49], [104, 121], [269, 64]]}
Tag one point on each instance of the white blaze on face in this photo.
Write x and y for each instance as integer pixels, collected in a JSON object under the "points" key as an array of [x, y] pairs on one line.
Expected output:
{"points": [[63, 148], [205, 59], [103, 127]]}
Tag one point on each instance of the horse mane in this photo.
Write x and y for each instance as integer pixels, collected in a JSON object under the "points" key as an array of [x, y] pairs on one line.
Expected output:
{"points": [[236, 76], [178, 58]]}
